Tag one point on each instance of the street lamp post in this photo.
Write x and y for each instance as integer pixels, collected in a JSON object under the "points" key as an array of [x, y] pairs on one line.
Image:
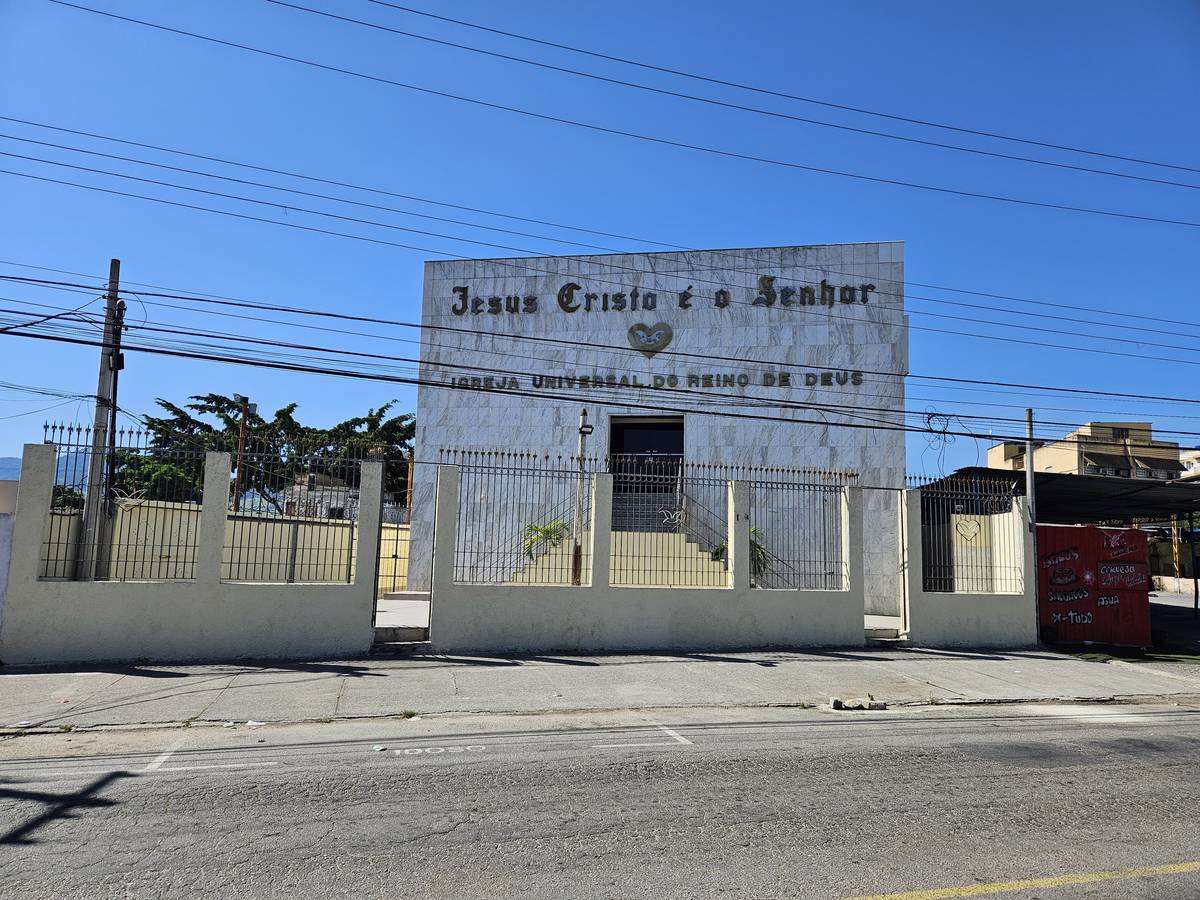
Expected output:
{"points": [[577, 531]]}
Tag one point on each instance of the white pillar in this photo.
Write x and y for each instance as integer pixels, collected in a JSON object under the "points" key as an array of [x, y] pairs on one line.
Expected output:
{"points": [[852, 541], [34, 495], [445, 525], [214, 511], [738, 513], [602, 491], [370, 513]]}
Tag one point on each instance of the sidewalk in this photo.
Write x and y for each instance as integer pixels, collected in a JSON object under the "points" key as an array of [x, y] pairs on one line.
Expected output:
{"points": [[428, 685]]}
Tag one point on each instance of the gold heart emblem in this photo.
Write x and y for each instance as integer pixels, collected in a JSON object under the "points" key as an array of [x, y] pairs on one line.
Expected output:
{"points": [[650, 339]]}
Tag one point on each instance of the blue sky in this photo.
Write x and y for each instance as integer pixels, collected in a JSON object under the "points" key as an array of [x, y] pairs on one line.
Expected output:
{"points": [[1123, 78]]}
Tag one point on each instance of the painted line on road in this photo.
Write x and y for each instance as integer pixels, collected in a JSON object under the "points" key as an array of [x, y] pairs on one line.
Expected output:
{"points": [[674, 734], [1029, 884], [1078, 712], [250, 765], [157, 762]]}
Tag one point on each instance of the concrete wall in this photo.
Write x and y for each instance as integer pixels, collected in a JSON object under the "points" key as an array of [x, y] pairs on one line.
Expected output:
{"points": [[500, 618], [741, 339], [6, 533], [49, 621], [8, 496], [960, 619]]}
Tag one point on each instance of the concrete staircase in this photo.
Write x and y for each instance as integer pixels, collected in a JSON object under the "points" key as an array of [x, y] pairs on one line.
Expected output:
{"points": [[643, 558]]}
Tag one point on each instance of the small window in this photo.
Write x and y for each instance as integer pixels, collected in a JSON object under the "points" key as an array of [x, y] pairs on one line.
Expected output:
{"points": [[1109, 470], [1120, 434], [1141, 473], [1124, 473], [1163, 474], [1091, 470]]}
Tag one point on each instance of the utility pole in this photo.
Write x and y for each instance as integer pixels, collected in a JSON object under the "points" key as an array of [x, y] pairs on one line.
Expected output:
{"points": [[1030, 481], [577, 531], [1195, 574], [105, 414], [247, 409]]}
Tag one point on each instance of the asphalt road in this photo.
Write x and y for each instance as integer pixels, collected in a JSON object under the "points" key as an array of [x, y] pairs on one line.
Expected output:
{"points": [[700, 803]]}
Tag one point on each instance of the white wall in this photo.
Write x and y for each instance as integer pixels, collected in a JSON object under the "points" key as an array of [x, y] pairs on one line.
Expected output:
{"points": [[497, 619], [960, 619], [6, 534], [796, 340], [204, 619], [8, 496]]}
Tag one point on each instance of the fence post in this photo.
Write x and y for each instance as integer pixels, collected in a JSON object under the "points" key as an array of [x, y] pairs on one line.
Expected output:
{"points": [[602, 492], [214, 511], [445, 525], [1029, 582], [370, 519], [912, 558], [34, 496], [738, 529], [852, 541]]}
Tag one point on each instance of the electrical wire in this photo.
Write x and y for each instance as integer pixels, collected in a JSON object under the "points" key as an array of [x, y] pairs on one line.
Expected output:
{"points": [[1013, 340], [722, 103], [880, 292], [1008, 298], [573, 48], [666, 142], [841, 409]]}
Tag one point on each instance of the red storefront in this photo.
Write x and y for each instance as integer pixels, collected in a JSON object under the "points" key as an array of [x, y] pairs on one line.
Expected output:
{"points": [[1093, 585]]}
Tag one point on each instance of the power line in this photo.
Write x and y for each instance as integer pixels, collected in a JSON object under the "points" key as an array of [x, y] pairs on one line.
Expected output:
{"points": [[786, 96], [1023, 398], [331, 314], [642, 240], [908, 296], [725, 104], [546, 396], [1013, 340], [842, 409], [666, 142]]}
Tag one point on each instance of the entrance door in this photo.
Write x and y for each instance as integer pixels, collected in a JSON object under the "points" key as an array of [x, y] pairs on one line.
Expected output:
{"points": [[645, 459]]}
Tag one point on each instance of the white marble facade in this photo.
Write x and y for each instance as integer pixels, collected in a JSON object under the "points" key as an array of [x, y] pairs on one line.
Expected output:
{"points": [[724, 319]]}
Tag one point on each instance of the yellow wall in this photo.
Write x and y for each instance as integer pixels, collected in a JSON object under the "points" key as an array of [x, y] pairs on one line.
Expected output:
{"points": [[157, 541]]}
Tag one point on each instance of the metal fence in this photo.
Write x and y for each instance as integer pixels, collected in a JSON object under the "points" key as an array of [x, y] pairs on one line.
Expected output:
{"points": [[796, 535], [293, 514], [125, 509], [523, 525], [669, 522], [972, 535]]}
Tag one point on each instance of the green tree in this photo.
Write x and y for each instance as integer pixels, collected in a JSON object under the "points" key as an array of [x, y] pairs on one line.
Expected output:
{"points": [[278, 450]]}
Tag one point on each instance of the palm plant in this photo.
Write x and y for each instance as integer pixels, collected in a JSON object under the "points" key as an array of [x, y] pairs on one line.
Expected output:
{"points": [[550, 534]]}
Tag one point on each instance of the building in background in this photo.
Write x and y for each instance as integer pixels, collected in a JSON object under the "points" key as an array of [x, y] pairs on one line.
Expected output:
{"points": [[1116, 449]]}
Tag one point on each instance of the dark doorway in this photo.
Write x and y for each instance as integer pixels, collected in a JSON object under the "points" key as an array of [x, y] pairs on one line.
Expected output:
{"points": [[647, 438], [645, 459]]}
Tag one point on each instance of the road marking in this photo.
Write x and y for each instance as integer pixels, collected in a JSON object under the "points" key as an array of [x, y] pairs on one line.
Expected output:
{"points": [[1028, 884], [1083, 713], [467, 748], [251, 765], [157, 762], [670, 733]]}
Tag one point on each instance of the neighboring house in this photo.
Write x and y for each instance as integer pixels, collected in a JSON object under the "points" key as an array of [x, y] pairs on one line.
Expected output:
{"points": [[322, 496], [1116, 449], [1191, 465]]}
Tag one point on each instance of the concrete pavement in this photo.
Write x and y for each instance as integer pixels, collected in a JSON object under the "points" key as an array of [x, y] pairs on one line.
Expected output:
{"points": [[1033, 802], [433, 685]]}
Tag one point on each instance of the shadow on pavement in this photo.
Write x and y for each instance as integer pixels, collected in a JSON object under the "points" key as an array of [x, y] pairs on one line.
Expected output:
{"points": [[58, 806]]}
